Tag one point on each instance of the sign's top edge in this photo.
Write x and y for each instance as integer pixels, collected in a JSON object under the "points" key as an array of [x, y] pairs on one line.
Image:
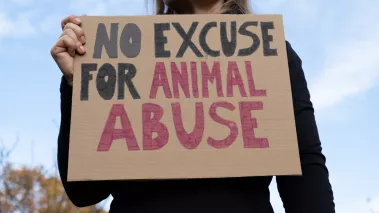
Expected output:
{"points": [[181, 15]]}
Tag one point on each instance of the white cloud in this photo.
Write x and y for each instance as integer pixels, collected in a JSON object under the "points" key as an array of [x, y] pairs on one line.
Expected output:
{"points": [[351, 64], [23, 2], [51, 24], [20, 26], [349, 69], [89, 7], [374, 205], [358, 206], [108, 7], [306, 9]]}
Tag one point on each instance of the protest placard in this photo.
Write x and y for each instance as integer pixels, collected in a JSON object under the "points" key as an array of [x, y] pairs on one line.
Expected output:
{"points": [[190, 96]]}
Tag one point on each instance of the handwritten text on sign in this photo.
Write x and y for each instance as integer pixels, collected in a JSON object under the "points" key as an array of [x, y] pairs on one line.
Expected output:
{"points": [[163, 70]]}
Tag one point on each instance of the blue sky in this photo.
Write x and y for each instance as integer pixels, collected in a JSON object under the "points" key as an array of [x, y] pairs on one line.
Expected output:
{"points": [[337, 41]]}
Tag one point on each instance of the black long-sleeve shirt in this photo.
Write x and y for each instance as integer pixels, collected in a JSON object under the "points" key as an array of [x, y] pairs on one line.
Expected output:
{"points": [[309, 193]]}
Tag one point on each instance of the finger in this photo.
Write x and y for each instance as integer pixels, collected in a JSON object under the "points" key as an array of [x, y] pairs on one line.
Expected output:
{"points": [[72, 19], [77, 30], [72, 35], [79, 47], [65, 43]]}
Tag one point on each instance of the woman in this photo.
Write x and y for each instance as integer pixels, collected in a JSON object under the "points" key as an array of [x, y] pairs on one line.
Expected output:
{"points": [[310, 193]]}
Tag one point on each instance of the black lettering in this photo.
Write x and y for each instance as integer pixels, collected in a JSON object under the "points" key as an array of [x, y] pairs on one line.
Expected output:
{"points": [[86, 77], [228, 47], [130, 41], [126, 72], [102, 39], [187, 39], [203, 42], [267, 51], [161, 40], [256, 41], [106, 87]]}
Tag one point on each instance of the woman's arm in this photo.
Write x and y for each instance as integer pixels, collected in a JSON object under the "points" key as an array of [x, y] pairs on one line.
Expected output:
{"points": [[80, 193], [311, 192]]}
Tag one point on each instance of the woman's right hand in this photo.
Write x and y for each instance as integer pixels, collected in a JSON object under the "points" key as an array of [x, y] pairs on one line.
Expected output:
{"points": [[70, 42]]}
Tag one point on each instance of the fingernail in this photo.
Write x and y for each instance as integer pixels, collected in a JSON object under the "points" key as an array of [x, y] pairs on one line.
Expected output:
{"points": [[82, 39], [81, 48], [78, 20]]}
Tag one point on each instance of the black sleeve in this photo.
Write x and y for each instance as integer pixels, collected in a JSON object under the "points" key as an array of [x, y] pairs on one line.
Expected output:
{"points": [[311, 192], [80, 193]]}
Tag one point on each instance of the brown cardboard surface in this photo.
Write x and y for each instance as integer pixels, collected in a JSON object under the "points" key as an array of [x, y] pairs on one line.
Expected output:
{"points": [[270, 143]]}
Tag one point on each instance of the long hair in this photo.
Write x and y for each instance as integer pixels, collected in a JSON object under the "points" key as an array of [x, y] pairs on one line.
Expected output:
{"points": [[241, 5]]}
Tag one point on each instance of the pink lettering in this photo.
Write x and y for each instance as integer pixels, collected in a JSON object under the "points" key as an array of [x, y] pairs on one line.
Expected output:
{"points": [[249, 123], [195, 89], [151, 116], [250, 79], [110, 133], [193, 139], [160, 80], [207, 76], [224, 143], [180, 78], [236, 80]]}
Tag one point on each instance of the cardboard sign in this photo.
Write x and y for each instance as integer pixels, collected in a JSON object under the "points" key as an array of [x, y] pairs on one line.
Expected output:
{"points": [[189, 96]]}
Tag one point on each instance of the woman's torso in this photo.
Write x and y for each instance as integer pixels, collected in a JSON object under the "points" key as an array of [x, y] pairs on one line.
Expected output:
{"points": [[234, 195]]}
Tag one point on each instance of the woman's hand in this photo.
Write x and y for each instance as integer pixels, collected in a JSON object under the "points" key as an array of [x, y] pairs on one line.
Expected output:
{"points": [[70, 43]]}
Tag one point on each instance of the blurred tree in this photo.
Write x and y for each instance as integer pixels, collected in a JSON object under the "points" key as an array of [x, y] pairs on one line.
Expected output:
{"points": [[33, 190]]}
